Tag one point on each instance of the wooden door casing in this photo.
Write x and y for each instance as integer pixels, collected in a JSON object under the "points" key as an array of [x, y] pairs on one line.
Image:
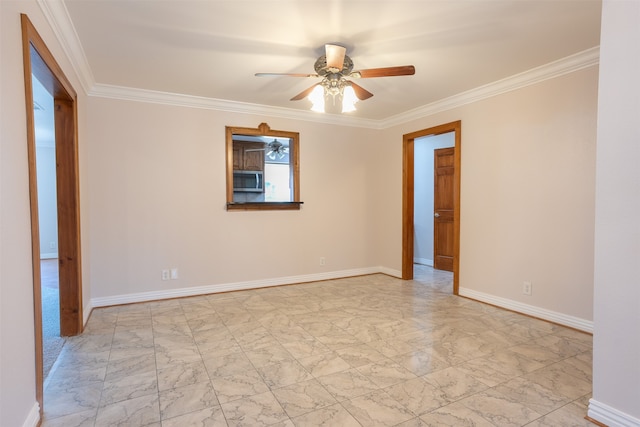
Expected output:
{"points": [[69, 259], [408, 197], [443, 204], [38, 61]]}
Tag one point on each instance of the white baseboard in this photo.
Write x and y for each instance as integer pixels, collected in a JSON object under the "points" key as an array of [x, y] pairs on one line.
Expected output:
{"points": [[531, 310], [238, 286], [552, 316], [51, 255], [86, 312], [610, 416], [390, 272], [423, 261], [34, 416]]}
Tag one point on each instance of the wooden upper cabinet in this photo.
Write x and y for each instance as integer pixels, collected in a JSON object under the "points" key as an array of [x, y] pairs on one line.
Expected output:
{"points": [[237, 156], [254, 160], [248, 156]]}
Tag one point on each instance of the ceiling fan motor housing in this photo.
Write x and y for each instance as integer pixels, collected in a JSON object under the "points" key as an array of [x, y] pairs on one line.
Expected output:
{"points": [[322, 69]]}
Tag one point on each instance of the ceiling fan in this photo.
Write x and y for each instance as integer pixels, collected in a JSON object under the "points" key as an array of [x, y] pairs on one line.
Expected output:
{"points": [[334, 67], [273, 150]]}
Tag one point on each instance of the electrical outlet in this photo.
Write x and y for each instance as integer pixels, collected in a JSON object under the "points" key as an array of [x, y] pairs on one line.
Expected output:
{"points": [[166, 274], [526, 288], [52, 245], [323, 261], [174, 273]]}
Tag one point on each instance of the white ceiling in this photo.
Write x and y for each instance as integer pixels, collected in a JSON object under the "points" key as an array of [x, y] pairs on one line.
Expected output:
{"points": [[213, 48]]}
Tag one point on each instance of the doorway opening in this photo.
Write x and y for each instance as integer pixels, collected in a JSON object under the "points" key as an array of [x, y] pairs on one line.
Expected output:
{"points": [[39, 64], [412, 146], [44, 122], [432, 232]]}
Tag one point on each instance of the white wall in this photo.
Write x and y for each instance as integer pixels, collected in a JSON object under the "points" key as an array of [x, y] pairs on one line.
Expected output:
{"points": [[17, 362], [527, 193], [423, 194], [152, 194], [46, 168], [157, 179], [616, 355], [47, 203], [17, 356]]}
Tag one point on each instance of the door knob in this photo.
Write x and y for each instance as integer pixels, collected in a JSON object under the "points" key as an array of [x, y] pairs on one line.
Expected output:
{"points": [[437, 215]]}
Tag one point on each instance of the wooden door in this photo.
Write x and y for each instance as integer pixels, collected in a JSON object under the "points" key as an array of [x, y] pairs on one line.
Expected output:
{"points": [[443, 208]]}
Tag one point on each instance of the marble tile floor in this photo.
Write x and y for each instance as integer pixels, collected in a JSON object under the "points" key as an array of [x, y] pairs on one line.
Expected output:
{"points": [[363, 351]]}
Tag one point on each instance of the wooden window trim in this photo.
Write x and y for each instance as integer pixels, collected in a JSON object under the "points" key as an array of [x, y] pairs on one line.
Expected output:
{"points": [[263, 130]]}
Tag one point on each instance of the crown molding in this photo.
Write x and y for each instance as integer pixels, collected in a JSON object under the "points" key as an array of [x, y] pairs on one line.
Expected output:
{"points": [[175, 99], [581, 60], [58, 17], [570, 64]]}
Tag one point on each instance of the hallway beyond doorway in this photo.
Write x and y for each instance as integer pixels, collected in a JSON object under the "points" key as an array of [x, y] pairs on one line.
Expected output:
{"points": [[439, 280], [52, 341]]}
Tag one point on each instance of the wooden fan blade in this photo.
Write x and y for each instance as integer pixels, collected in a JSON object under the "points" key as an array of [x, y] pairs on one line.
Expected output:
{"points": [[361, 92], [335, 56], [403, 70], [285, 74], [304, 93]]}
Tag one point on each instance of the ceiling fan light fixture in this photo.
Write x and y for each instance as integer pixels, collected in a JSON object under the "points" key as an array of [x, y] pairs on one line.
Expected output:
{"points": [[334, 67], [272, 155], [349, 99], [317, 99], [277, 150]]}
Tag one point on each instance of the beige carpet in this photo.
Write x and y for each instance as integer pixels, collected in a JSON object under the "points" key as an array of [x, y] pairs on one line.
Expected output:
{"points": [[52, 341]]}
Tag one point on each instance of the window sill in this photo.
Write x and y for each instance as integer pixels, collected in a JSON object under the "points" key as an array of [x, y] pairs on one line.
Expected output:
{"points": [[264, 206]]}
